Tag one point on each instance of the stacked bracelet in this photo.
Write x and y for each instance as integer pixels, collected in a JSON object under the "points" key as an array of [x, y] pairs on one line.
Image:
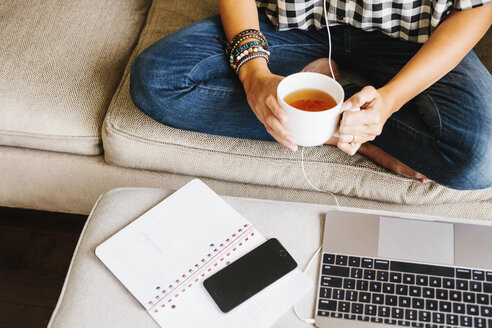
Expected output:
{"points": [[238, 55]]}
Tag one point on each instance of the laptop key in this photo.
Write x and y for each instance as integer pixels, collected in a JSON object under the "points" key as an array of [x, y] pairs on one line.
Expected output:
{"points": [[325, 292], [455, 296], [480, 323], [388, 288], [350, 316], [364, 297], [323, 313], [452, 319], [417, 324], [461, 284], [338, 294], [362, 285], [478, 275], [351, 296], [417, 268], [438, 317], [381, 264], [331, 282], [391, 300], [475, 286], [415, 291], [363, 318], [390, 321], [463, 273], [395, 277], [402, 290], [377, 298], [397, 313], [348, 283], [375, 287], [403, 323], [341, 259], [431, 305], [328, 305], [411, 314], [428, 292], [488, 276], [336, 315], [418, 303], [354, 261], [431, 325], [445, 306], [469, 297], [472, 309], [369, 274], [370, 309], [376, 320], [422, 280], [466, 321], [343, 307], [404, 301], [435, 281], [409, 279], [424, 316], [459, 308], [357, 308], [367, 263], [487, 288], [382, 276], [329, 258], [334, 270], [384, 311], [486, 311], [482, 299], [356, 273], [448, 283]]}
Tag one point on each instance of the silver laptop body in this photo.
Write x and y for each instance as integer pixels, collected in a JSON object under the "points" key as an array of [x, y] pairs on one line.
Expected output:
{"points": [[404, 262]]}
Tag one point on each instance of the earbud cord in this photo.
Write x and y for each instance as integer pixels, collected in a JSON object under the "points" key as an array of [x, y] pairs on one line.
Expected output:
{"points": [[311, 320]]}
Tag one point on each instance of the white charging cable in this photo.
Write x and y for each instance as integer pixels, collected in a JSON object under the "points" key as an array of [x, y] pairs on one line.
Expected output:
{"points": [[311, 320]]}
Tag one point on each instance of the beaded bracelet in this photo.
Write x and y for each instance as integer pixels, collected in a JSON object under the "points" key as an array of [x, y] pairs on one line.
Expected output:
{"points": [[244, 49], [253, 55], [246, 34], [245, 53]]}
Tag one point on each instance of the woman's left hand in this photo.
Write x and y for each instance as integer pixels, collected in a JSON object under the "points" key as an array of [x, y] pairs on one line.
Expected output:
{"points": [[365, 125]]}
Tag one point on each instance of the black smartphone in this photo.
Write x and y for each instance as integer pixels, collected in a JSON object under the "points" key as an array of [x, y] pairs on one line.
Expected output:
{"points": [[249, 274]]}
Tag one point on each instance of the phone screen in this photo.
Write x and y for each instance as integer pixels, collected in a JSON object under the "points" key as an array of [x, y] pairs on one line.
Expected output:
{"points": [[249, 274]]}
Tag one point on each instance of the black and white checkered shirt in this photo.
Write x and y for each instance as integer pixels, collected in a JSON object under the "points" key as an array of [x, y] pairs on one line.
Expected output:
{"points": [[412, 20]]}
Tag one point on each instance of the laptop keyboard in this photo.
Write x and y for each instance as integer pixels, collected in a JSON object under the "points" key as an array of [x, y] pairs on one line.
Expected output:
{"points": [[404, 293]]}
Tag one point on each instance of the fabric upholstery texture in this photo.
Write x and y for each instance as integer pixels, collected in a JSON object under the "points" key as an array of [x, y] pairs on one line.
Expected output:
{"points": [[60, 63], [131, 139], [72, 183], [90, 290]]}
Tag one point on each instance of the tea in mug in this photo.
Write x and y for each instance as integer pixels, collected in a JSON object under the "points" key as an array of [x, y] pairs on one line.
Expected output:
{"points": [[310, 100]]}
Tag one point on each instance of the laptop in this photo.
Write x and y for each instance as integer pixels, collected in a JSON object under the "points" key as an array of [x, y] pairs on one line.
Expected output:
{"points": [[381, 271]]}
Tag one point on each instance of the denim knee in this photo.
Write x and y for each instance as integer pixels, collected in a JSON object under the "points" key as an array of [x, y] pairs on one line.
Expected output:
{"points": [[472, 169]]}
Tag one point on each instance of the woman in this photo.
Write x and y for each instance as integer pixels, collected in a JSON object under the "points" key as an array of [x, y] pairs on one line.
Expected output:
{"points": [[428, 111]]}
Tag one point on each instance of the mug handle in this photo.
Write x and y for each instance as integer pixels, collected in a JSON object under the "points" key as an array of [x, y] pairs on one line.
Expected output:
{"points": [[337, 131]]}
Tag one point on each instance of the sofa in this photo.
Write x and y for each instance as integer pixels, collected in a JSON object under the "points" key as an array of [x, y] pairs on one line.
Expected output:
{"points": [[69, 130]]}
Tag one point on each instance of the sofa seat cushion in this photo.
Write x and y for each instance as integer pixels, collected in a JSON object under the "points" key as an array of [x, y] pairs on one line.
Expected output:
{"points": [[132, 139], [60, 63]]}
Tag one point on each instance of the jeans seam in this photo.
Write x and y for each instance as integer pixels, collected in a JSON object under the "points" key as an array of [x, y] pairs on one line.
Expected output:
{"points": [[436, 110], [395, 121]]}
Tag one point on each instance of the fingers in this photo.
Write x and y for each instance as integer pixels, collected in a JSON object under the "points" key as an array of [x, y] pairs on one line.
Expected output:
{"points": [[361, 98], [275, 108], [349, 148], [279, 132]]}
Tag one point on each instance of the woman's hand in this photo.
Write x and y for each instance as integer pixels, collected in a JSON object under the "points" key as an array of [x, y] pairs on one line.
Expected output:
{"points": [[261, 91], [365, 125]]}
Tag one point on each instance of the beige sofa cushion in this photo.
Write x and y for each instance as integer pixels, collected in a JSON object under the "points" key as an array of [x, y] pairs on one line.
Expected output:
{"points": [[131, 139], [60, 63]]}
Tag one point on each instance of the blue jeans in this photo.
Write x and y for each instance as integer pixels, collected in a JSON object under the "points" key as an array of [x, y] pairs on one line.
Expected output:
{"points": [[445, 133]]}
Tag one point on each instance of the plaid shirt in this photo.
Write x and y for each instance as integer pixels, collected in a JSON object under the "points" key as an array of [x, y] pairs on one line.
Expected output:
{"points": [[412, 20]]}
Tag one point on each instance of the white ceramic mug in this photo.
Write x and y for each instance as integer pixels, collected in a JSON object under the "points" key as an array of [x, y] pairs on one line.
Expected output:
{"points": [[311, 128]]}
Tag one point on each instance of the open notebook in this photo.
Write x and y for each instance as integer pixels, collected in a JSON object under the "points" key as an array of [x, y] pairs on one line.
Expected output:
{"points": [[163, 257]]}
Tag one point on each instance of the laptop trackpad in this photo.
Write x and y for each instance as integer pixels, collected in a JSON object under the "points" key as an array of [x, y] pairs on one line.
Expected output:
{"points": [[419, 241]]}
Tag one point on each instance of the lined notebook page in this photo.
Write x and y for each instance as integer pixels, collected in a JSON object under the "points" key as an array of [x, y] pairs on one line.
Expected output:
{"points": [[163, 257]]}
